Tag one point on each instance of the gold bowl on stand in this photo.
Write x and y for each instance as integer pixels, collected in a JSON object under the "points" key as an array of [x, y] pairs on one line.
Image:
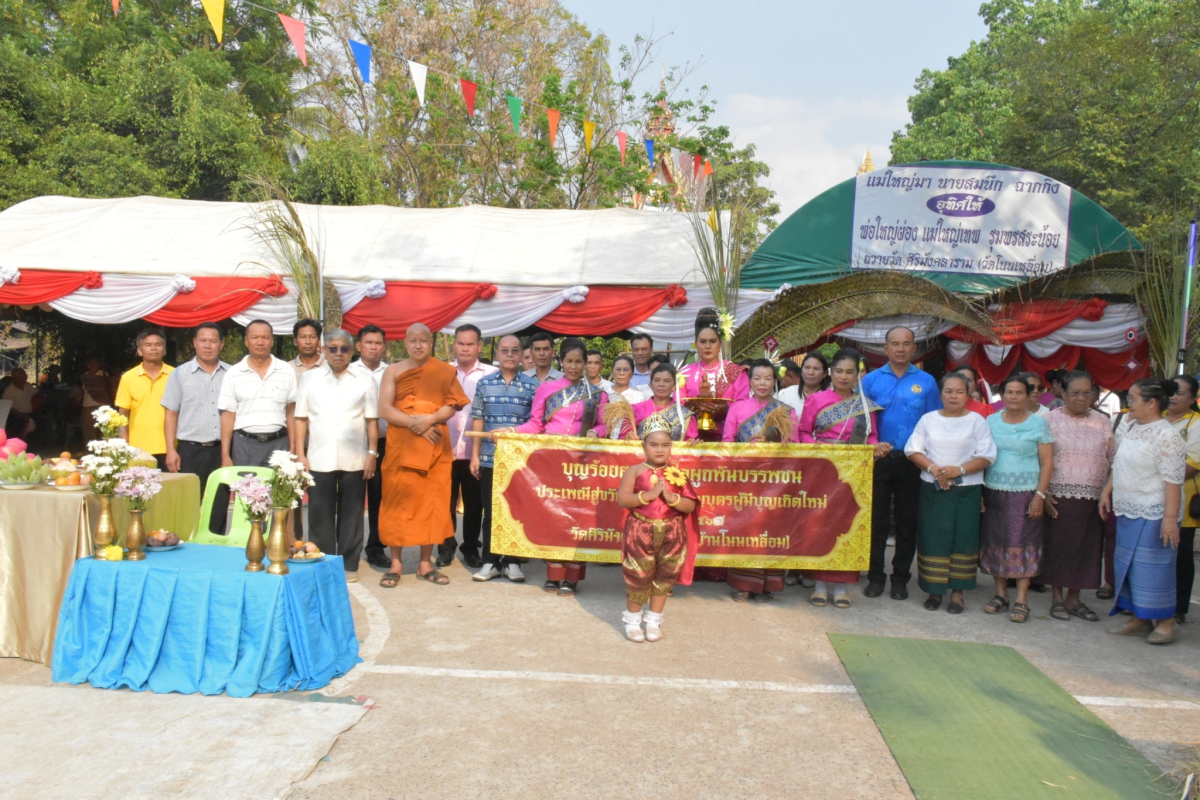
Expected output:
{"points": [[710, 412]]}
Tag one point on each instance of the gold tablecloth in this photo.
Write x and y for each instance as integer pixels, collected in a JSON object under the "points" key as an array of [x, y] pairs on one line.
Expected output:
{"points": [[43, 531]]}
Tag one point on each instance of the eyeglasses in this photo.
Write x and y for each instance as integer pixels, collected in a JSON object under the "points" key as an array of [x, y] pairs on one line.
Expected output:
{"points": [[337, 350]]}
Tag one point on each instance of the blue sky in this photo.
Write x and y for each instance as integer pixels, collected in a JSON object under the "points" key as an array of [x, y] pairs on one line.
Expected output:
{"points": [[812, 84]]}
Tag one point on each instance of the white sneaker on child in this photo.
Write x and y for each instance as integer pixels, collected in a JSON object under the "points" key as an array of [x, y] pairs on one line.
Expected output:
{"points": [[633, 626], [653, 626]]}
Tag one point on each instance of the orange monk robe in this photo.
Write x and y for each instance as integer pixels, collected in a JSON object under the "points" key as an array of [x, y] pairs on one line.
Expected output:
{"points": [[415, 507]]}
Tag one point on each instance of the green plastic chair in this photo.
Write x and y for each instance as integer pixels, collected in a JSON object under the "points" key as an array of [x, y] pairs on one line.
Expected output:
{"points": [[239, 528]]}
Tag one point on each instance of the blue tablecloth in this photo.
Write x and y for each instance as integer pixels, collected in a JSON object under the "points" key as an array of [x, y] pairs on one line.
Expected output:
{"points": [[193, 620]]}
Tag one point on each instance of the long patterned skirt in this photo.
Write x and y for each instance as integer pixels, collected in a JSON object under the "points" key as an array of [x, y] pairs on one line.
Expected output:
{"points": [[1010, 543], [652, 556], [1074, 544], [756, 581], [948, 537], [1145, 570]]}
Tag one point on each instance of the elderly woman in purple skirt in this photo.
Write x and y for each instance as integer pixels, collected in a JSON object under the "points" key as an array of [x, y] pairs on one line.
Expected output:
{"points": [[1015, 486]]}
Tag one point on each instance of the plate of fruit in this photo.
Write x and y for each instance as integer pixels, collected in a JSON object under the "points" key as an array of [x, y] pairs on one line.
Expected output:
{"points": [[21, 470], [65, 475], [161, 540], [303, 552]]}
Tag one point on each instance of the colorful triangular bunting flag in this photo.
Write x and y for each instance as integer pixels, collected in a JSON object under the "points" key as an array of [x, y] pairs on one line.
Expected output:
{"points": [[116, 5], [295, 31], [552, 118], [362, 57], [650, 152], [708, 167], [697, 161], [215, 9], [468, 93], [589, 130], [419, 73], [621, 144], [712, 219], [514, 111]]}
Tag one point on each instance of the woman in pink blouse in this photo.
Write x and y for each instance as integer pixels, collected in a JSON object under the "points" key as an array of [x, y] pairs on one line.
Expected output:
{"points": [[839, 415], [759, 418], [726, 378], [1074, 538], [663, 409], [567, 406]]}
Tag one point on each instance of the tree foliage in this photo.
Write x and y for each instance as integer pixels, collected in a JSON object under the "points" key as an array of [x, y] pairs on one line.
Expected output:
{"points": [[1101, 95]]}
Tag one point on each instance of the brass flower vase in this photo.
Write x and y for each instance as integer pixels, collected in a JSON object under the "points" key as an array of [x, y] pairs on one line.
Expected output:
{"points": [[278, 545], [256, 547], [106, 529], [135, 539]]}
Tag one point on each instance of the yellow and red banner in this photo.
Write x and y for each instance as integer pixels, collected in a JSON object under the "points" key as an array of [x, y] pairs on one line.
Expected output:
{"points": [[797, 506]]}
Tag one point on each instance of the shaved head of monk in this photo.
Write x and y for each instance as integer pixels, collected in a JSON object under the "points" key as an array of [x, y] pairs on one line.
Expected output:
{"points": [[419, 343]]}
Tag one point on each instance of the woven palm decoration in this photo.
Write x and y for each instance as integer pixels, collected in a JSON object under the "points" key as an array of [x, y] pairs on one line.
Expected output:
{"points": [[803, 314], [1112, 274]]}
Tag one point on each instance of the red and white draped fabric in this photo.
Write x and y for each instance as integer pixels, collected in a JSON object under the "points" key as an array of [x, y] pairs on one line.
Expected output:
{"points": [[667, 313], [1107, 338]]}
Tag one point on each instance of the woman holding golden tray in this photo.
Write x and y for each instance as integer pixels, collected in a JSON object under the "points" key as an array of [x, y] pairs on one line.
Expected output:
{"points": [[711, 383]]}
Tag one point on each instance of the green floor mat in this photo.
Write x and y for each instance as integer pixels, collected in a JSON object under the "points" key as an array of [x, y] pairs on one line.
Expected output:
{"points": [[977, 721]]}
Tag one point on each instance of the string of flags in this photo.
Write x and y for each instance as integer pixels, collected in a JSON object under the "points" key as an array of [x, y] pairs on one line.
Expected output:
{"points": [[297, 31]]}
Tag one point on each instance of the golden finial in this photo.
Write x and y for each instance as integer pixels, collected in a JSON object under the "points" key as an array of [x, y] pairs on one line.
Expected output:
{"points": [[867, 164]]}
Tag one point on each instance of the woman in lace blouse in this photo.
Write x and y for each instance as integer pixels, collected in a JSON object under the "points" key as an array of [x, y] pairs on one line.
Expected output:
{"points": [[951, 447], [1015, 485], [1144, 493], [1083, 453]]}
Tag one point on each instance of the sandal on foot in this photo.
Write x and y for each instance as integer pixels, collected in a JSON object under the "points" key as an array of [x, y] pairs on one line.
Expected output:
{"points": [[933, 602], [819, 599], [1106, 592], [996, 605], [1083, 612], [390, 580], [955, 607], [1020, 612], [550, 587], [1059, 611], [434, 577], [841, 600], [763, 597], [741, 597], [566, 589]]}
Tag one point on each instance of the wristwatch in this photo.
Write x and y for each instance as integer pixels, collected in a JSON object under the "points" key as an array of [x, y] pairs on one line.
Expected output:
{"points": [[372, 453]]}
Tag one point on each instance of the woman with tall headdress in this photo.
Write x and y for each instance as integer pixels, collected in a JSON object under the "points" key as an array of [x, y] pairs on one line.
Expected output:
{"points": [[841, 414], [759, 418], [567, 406], [726, 379]]}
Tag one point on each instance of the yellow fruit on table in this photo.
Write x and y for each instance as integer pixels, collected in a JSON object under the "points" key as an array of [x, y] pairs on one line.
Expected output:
{"points": [[114, 552]]}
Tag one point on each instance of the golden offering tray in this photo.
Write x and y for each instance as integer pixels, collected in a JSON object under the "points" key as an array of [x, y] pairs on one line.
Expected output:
{"points": [[710, 411]]}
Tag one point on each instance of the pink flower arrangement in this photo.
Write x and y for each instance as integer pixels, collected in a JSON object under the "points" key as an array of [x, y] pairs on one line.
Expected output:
{"points": [[138, 485], [255, 496]]}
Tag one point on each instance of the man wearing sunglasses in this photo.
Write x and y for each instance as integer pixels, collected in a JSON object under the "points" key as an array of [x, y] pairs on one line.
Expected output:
{"points": [[338, 408]]}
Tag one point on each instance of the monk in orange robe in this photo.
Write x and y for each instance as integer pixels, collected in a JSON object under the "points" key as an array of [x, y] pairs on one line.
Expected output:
{"points": [[416, 397]]}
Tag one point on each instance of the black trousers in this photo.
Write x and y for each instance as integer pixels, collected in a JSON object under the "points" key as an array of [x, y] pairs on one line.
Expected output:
{"points": [[463, 482], [374, 497], [485, 496], [896, 485], [203, 461], [335, 514], [1185, 570]]}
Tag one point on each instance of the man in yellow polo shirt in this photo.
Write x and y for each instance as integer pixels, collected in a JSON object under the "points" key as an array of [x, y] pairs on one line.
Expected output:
{"points": [[139, 397]]}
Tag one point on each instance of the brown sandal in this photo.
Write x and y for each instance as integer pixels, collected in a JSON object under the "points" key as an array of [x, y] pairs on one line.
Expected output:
{"points": [[434, 577], [390, 580]]}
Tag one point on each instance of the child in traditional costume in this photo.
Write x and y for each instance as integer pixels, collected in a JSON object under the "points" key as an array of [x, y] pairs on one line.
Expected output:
{"points": [[759, 418], [661, 536]]}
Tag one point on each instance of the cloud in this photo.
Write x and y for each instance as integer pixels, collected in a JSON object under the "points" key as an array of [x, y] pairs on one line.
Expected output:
{"points": [[812, 146]]}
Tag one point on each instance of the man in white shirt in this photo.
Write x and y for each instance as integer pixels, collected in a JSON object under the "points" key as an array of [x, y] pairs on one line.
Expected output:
{"points": [[258, 398], [541, 345], [640, 347], [467, 341], [792, 383], [337, 408], [21, 393], [372, 344], [594, 366]]}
